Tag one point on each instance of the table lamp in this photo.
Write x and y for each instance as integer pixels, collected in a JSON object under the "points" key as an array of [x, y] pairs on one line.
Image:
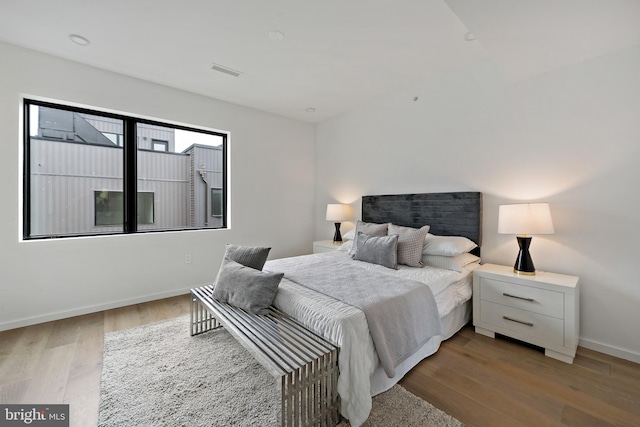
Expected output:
{"points": [[523, 220], [338, 213]]}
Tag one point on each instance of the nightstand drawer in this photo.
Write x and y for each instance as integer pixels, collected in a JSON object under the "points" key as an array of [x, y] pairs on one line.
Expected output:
{"points": [[521, 322], [536, 300]]}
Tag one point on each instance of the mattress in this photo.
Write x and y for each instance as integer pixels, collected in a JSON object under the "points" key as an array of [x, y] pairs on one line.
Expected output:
{"points": [[361, 375]]}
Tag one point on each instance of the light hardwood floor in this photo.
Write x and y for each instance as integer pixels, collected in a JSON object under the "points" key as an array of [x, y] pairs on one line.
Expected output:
{"points": [[478, 380], [496, 382], [61, 361]]}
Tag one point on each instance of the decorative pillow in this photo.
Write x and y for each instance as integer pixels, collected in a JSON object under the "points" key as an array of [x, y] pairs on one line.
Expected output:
{"points": [[249, 256], [245, 287], [455, 263], [382, 250], [447, 245], [410, 243], [370, 229]]}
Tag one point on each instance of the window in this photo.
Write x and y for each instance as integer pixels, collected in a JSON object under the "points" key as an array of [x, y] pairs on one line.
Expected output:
{"points": [[114, 137], [88, 173], [158, 145], [145, 208], [109, 204], [216, 202]]}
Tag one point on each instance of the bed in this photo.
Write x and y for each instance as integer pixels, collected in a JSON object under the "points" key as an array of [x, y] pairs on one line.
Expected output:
{"points": [[361, 372]]}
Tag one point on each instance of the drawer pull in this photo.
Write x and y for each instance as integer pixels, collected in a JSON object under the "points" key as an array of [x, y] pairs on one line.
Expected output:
{"points": [[515, 296], [517, 321]]}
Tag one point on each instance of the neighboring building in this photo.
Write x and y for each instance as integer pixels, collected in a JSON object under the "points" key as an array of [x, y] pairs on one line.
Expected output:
{"points": [[76, 177]]}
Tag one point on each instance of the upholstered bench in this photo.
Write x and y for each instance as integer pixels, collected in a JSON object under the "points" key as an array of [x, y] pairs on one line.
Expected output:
{"points": [[306, 364]]}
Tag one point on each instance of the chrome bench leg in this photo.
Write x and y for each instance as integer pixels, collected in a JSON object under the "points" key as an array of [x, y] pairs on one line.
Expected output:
{"points": [[310, 393], [201, 319]]}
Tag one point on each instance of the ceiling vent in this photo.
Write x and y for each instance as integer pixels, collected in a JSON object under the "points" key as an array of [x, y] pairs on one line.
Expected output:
{"points": [[226, 70]]}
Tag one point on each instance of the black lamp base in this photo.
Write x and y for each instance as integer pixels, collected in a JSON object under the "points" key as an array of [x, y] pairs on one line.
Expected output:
{"points": [[524, 263], [337, 237]]}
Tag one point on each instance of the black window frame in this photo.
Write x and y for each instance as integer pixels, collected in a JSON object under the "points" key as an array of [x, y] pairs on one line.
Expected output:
{"points": [[130, 225]]}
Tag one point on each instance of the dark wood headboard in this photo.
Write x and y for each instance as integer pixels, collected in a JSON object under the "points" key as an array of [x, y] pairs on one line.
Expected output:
{"points": [[447, 214]]}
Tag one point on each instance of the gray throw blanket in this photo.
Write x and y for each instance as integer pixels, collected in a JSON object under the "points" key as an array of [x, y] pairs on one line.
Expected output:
{"points": [[402, 314]]}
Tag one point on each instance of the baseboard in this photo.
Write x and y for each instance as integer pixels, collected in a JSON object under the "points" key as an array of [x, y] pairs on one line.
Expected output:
{"points": [[28, 321], [610, 350]]}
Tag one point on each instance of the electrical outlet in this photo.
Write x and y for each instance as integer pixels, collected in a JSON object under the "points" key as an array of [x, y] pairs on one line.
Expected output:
{"points": [[187, 259]]}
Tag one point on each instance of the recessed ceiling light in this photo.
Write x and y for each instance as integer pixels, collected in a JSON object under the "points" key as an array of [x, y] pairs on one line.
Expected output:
{"points": [[276, 36], [469, 36], [78, 39], [311, 110]]}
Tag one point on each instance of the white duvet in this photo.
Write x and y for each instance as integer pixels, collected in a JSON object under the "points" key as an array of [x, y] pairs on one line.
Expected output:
{"points": [[346, 326]]}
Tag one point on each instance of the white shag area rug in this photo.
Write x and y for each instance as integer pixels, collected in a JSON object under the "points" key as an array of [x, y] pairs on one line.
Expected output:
{"points": [[159, 375]]}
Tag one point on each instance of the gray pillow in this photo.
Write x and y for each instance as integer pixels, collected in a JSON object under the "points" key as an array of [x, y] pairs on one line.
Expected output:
{"points": [[245, 287], [382, 250], [370, 229], [249, 256], [410, 244]]}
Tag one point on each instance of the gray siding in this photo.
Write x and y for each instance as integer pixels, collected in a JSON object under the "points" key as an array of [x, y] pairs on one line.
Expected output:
{"points": [[104, 124], [147, 133], [206, 173], [64, 177], [166, 175]]}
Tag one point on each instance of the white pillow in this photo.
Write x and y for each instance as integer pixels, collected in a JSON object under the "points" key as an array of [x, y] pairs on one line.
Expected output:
{"points": [[455, 263], [446, 245], [349, 235], [346, 246]]}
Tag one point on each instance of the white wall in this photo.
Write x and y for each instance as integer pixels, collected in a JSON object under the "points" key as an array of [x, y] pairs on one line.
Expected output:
{"points": [[570, 137], [271, 186]]}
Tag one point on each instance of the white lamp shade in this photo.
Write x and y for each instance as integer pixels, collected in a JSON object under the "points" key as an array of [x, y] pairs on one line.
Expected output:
{"points": [[525, 219], [338, 212]]}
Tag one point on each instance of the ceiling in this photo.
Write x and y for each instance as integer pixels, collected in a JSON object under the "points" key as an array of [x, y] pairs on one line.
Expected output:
{"points": [[335, 55]]}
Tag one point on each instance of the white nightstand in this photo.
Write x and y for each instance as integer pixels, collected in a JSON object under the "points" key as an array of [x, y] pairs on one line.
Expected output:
{"points": [[326, 246], [543, 309]]}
